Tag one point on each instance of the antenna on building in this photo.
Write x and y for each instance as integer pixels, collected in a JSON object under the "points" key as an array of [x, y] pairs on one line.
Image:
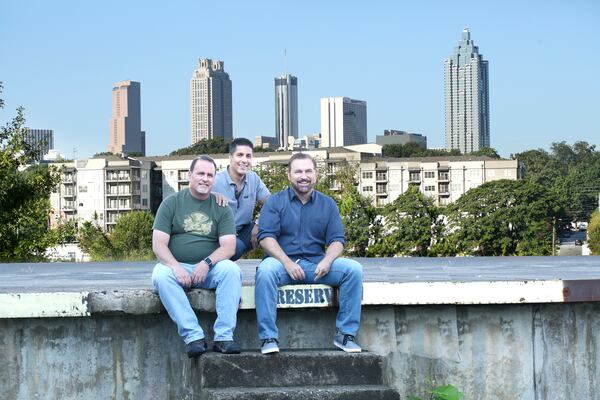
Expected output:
{"points": [[74, 153], [285, 64]]}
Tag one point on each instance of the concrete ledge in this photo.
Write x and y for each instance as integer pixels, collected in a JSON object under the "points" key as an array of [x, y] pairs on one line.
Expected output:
{"points": [[73, 289]]}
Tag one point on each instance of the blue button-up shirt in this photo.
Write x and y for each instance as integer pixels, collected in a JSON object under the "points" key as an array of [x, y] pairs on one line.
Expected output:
{"points": [[302, 230], [253, 190]]}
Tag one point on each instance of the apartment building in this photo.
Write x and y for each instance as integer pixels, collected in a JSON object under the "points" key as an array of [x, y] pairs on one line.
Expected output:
{"points": [[105, 188], [444, 179], [102, 189]]}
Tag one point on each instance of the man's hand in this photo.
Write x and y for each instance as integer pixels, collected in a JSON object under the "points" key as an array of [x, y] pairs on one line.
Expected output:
{"points": [[294, 270], [182, 276], [322, 269], [199, 273], [254, 239], [221, 200]]}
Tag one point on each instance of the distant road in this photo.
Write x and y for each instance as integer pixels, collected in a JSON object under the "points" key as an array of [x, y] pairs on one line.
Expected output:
{"points": [[567, 245]]}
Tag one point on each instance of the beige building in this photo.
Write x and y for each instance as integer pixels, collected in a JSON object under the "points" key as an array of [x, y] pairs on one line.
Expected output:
{"points": [[126, 135], [105, 188], [444, 179], [102, 189]]}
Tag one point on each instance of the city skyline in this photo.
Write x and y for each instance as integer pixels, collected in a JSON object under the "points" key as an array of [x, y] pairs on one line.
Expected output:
{"points": [[394, 61]]}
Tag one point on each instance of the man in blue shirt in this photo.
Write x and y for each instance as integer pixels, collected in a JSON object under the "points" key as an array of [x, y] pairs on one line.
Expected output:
{"points": [[296, 225], [242, 188]]}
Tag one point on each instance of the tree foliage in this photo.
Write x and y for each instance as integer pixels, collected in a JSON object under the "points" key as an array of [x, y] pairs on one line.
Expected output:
{"points": [[503, 218], [24, 196], [486, 152], [414, 150], [571, 171], [594, 233], [131, 238], [215, 145], [408, 227]]}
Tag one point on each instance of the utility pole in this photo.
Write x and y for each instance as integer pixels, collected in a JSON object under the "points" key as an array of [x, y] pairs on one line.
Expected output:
{"points": [[553, 236]]}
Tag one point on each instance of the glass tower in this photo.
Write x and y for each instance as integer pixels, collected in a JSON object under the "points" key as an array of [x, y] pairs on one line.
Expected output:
{"points": [[467, 116]]}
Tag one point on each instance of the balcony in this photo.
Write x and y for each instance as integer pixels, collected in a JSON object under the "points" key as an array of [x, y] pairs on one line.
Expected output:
{"points": [[444, 190], [381, 177], [443, 177]]}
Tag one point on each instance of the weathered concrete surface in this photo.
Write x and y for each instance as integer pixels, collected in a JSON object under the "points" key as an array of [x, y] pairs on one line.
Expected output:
{"points": [[504, 352], [367, 392], [124, 347], [291, 368]]}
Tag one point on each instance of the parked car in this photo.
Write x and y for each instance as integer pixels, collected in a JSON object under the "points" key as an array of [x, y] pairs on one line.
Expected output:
{"points": [[578, 242]]}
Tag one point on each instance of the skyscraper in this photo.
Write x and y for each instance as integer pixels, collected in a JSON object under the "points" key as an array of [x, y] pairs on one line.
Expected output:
{"points": [[343, 122], [210, 89], [126, 135], [467, 116], [286, 108], [40, 141]]}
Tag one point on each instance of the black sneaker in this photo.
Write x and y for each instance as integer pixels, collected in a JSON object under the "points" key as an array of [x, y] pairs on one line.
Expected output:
{"points": [[196, 348], [226, 347]]}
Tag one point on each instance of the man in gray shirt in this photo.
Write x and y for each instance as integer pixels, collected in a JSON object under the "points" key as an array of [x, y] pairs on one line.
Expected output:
{"points": [[243, 188]]}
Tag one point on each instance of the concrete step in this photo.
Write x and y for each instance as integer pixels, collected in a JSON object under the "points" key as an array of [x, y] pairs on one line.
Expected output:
{"points": [[363, 392], [290, 368]]}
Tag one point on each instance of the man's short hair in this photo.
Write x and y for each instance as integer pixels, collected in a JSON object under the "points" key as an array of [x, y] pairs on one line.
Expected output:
{"points": [[301, 156], [202, 157], [239, 142]]}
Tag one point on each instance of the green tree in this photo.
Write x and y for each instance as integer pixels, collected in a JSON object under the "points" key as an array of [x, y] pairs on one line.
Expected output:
{"points": [[593, 232], [130, 239], [486, 152], [205, 146], [132, 236], [274, 176], [414, 150], [24, 196], [94, 241], [408, 226], [504, 217]]}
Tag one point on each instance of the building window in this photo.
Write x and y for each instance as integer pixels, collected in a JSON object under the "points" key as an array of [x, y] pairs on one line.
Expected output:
{"points": [[82, 189], [367, 188], [430, 188], [507, 173], [381, 176], [429, 174], [367, 175], [415, 176]]}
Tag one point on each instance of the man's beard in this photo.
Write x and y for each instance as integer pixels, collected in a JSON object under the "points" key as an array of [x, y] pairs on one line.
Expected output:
{"points": [[202, 189]]}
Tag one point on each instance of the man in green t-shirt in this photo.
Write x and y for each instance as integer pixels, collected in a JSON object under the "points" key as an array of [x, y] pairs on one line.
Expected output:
{"points": [[194, 238]]}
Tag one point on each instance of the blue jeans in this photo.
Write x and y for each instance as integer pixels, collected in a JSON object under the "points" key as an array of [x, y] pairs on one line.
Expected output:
{"points": [[344, 273], [225, 276], [243, 242]]}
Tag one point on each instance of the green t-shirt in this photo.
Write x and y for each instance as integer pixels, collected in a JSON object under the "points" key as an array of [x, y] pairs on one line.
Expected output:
{"points": [[194, 225]]}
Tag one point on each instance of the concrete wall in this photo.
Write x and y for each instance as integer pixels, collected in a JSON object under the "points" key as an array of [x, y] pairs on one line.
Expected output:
{"points": [[490, 352]]}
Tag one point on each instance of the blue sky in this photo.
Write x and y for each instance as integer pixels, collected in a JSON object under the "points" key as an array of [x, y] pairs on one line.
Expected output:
{"points": [[60, 59]]}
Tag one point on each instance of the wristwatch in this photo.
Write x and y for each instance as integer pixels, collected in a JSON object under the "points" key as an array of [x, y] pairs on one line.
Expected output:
{"points": [[209, 262]]}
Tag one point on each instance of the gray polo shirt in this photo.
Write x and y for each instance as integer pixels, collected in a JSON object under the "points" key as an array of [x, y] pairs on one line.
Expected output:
{"points": [[253, 190]]}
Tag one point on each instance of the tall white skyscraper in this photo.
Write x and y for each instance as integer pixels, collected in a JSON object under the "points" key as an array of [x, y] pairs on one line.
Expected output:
{"points": [[467, 115], [343, 122], [126, 135], [211, 111], [286, 108]]}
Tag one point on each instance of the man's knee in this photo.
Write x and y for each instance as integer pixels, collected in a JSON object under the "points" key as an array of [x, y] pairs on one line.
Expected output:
{"points": [[353, 268], [229, 269], [268, 268], [160, 273]]}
